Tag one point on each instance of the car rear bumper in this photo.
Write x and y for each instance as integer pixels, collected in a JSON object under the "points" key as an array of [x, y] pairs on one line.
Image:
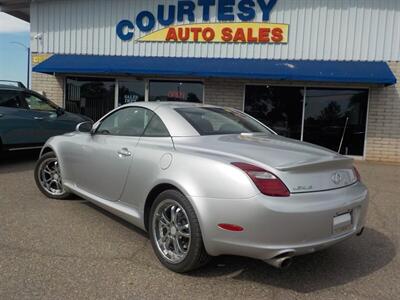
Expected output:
{"points": [[299, 224]]}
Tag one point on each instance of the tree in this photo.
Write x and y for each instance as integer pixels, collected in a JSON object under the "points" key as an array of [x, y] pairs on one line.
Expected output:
{"points": [[331, 114]]}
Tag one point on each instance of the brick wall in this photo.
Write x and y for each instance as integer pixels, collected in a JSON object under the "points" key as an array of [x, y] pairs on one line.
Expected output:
{"points": [[383, 139], [224, 92], [50, 86]]}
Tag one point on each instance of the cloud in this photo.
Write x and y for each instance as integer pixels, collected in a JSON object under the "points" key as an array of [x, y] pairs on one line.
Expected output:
{"points": [[10, 24]]}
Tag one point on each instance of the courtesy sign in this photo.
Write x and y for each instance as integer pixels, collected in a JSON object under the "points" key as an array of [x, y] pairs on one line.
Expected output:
{"points": [[224, 27]]}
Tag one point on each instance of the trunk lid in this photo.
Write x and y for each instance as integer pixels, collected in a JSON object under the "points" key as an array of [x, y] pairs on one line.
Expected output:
{"points": [[301, 166]]}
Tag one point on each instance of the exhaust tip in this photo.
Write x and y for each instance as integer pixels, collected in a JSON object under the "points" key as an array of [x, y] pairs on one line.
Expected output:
{"points": [[286, 263], [280, 262]]}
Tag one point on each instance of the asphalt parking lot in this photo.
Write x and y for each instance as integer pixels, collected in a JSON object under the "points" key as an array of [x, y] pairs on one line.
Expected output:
{"points": [[73, 250]]}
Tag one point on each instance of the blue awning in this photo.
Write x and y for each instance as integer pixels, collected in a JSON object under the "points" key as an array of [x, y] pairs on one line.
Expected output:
{"points": [[370, 73]]}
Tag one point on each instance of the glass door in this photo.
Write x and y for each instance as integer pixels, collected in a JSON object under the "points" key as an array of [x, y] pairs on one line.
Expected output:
{"points": [[93, 97], [333, 118], [336, 119], [278, 107]]}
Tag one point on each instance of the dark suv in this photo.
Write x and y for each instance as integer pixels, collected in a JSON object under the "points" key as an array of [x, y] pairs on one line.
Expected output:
{"points": [[27, 119]]}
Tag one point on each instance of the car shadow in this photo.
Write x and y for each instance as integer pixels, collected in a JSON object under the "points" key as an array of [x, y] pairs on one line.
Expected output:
{"points": [[343, 263], [18, 161], [115, 218], [335, 266]]}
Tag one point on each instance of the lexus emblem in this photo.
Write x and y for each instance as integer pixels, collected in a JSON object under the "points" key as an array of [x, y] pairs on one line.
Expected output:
{"points": [[336, 178]]}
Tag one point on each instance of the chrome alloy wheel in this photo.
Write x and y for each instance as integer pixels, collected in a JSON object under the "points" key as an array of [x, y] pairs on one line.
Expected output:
{"points": [[50, 176], [171, 229]]}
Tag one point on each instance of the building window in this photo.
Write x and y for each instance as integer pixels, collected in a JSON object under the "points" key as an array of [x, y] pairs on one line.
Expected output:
{"points": [[176, 91], [93, 97], [280, 108], [130, 91], [333, 118], [336, 118]]}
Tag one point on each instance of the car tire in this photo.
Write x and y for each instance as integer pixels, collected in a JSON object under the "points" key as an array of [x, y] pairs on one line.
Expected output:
{"points": [[195, 255], [49, 181]]}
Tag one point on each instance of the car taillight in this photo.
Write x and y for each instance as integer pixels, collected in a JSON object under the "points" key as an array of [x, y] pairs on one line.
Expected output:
{"points": [[357, 174], [266, 182]]}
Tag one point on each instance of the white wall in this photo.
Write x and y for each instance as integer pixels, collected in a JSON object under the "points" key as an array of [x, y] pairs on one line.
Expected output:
{"points": [[318, 29]]}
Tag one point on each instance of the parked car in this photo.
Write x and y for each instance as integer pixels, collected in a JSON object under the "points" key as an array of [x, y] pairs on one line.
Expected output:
{"points": [[206, 181], [28, 119]]}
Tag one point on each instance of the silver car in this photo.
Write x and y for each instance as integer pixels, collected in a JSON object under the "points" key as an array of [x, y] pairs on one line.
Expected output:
{"points": [[206, 181]]}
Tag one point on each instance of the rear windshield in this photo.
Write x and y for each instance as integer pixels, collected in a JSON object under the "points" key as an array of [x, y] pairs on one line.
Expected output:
{"points": [[216, 121]]}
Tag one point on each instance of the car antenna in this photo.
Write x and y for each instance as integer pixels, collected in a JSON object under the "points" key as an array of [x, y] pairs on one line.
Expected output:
{"points": [[344, 132]]}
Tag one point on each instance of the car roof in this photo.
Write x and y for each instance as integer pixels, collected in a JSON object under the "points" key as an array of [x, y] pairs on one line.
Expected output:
{"points": [[153, 105], [4, 87], [12, 88], [185, 104], [175, 123]]}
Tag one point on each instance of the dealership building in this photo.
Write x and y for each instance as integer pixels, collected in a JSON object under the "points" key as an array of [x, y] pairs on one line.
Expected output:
{"points": [[320, 71]]}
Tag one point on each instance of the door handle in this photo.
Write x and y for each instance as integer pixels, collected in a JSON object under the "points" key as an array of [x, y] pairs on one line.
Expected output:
{"points": [[124, 152], [1, 115], [38, 118]]}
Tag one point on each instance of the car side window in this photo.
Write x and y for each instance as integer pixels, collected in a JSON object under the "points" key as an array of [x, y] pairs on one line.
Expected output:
{"points": [[156, 128], [129, 121], [36, 103], [10, 99]]}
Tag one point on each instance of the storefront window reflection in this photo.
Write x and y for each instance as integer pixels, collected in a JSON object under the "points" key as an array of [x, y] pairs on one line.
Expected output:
{"points": [[336, 118], [130, 91], [280, 108], [176, 91], [333, 118], [92, 97]]}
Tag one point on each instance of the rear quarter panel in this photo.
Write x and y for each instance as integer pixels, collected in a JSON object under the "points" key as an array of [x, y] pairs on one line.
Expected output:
{"points": [[212, 176], [194, 174]]}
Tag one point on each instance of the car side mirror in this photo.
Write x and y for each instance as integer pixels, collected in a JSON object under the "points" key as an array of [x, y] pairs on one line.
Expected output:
{"points": [[85, 127], [94, 128]]}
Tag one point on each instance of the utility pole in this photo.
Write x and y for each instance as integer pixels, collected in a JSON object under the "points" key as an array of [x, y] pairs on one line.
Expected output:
{"points": [[28, 50]]}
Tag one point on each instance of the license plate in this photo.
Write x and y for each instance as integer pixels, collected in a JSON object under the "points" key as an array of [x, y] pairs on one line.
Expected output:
{"points": [[343, 223]]}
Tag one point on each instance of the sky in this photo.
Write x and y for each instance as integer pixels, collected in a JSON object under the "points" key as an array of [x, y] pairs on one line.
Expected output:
{"points": [[13, 58]]}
